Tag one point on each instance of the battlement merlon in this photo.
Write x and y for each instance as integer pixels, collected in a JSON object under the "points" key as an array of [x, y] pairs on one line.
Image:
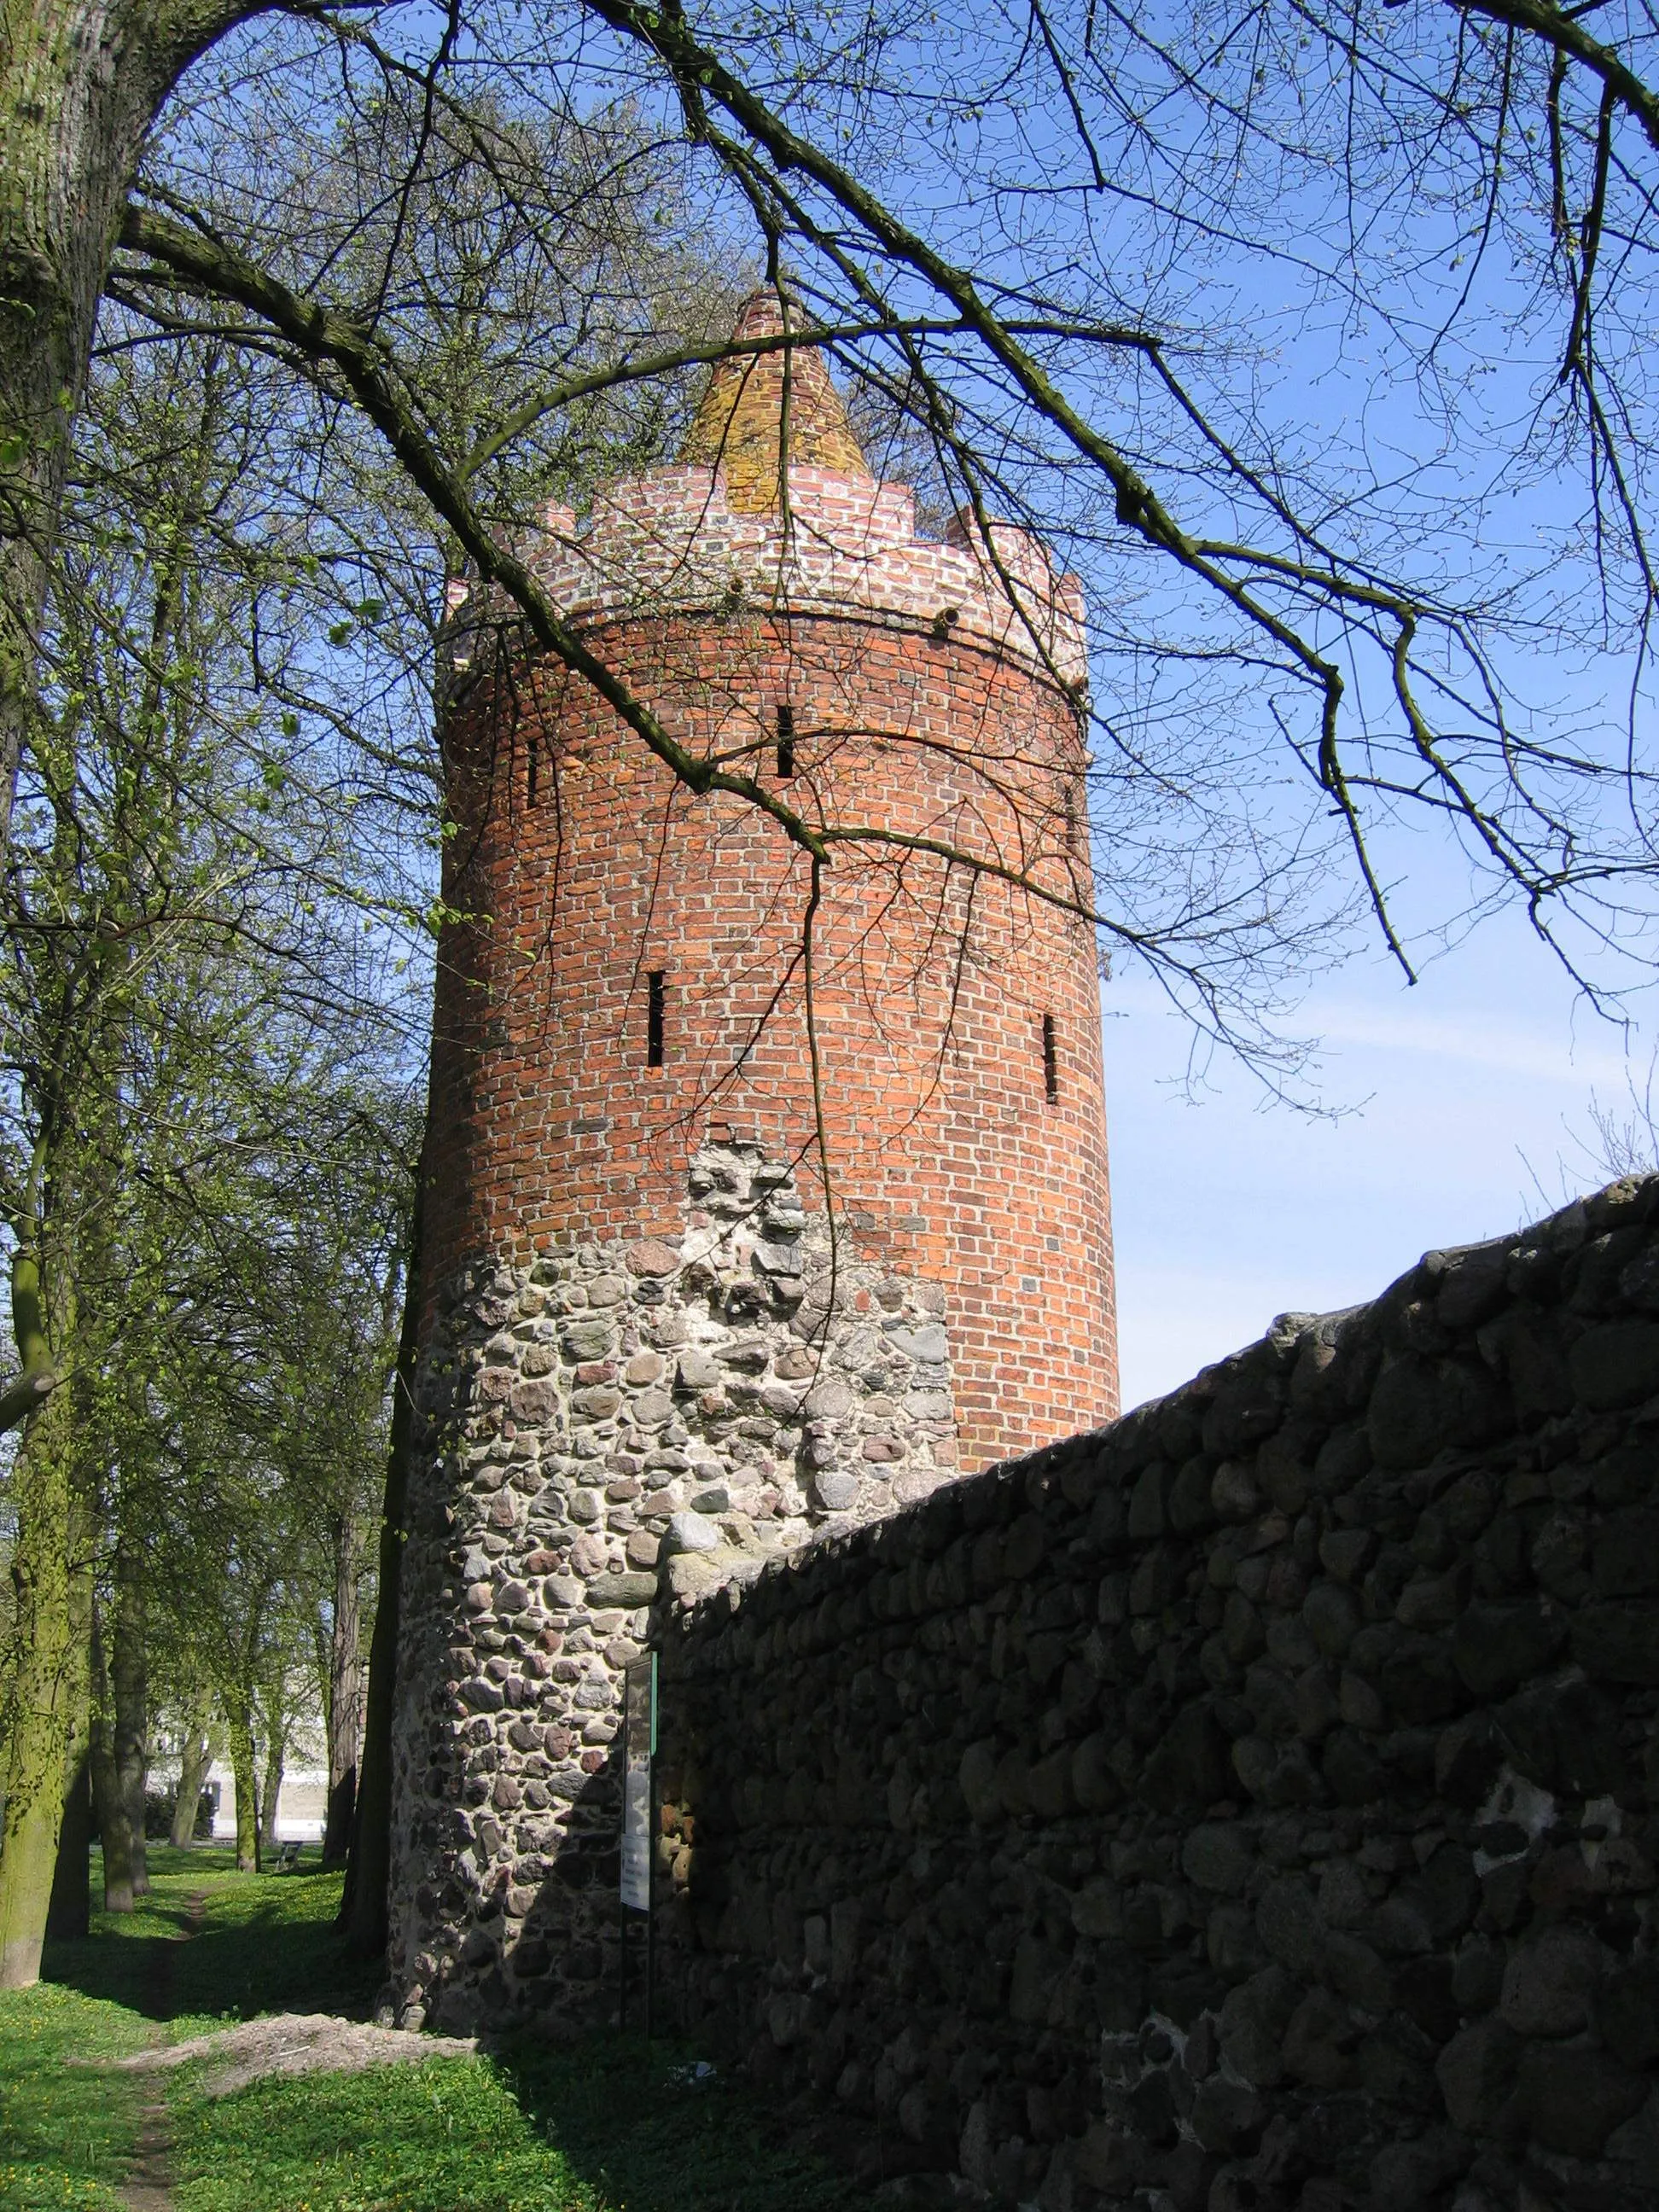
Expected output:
{"points": [[671, 542]]}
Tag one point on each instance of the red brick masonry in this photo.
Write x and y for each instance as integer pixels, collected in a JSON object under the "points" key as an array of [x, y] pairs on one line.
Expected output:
{"points": [[924, 696]]}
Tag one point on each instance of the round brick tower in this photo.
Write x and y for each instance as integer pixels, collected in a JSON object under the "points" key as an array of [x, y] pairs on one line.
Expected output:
{"points": [[760, 1200]]}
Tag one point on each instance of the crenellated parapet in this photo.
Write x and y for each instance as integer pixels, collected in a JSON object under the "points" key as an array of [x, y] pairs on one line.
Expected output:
{"points": [[673, 542]]}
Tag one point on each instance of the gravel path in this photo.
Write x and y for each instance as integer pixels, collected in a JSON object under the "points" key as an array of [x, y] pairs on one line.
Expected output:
{"points": [[296, 2043]]}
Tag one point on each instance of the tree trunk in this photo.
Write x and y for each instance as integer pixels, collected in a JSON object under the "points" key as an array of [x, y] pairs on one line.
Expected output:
{"points": [[129, 1699], [242, 1769], [345, 1691], [192, 1770], [45, 1716], [276, 1751], [113, 1829], [69, 1916], [81, 83], [362, 1916]]}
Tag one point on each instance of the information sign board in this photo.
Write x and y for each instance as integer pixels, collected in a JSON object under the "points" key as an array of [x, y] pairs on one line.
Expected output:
{"points": [[639, 1745]]}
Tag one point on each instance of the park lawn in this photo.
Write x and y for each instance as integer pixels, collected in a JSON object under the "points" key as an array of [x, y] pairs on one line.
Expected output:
{"points": [[67, 2130], [603, 2128], [66, 2133], [609, 2126]]}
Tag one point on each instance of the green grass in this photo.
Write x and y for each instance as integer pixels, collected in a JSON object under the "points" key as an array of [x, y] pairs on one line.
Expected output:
{"points": [[267, 1946], [65, 2133], [607, 2129], [610, 2126], [642, 2133]]}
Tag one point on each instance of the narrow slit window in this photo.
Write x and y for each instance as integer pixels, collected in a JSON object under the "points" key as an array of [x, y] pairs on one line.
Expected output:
{"points": [[785, 741], [654, 986], [1050, 1059], [532, 779]]}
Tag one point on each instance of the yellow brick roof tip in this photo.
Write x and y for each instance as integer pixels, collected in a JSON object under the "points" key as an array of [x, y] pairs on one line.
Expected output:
{"points": [[740, 425]]}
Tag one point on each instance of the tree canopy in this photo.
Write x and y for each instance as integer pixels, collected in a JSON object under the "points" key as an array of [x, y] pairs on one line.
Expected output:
{"points": [[1313, 344]]}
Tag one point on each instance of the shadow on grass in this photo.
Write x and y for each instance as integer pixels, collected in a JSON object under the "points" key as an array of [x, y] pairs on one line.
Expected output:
{"points": [[268, 1945], [605, 2126], [649, 2127]]}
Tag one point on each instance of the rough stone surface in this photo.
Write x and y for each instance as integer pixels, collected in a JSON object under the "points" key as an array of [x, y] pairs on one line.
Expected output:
{"points": [[1248, 1804], [536, 1528]]}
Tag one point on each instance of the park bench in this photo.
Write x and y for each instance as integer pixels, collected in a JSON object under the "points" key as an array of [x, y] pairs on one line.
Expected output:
{"points": [[288, 1858]]}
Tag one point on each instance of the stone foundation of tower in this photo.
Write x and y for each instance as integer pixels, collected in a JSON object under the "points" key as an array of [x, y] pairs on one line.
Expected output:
{"points": [[605, 1419]]}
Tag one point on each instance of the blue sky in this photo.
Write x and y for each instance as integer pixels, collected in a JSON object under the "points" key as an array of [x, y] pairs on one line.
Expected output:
{"points": [[1467, 1093]]}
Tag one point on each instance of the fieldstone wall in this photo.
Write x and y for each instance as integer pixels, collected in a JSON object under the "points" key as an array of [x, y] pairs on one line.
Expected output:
{"points": [[607, 1420], [1250, 1804]]}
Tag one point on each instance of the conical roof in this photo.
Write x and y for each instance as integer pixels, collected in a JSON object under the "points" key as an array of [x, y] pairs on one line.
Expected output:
{"points": [[739, 424]]}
